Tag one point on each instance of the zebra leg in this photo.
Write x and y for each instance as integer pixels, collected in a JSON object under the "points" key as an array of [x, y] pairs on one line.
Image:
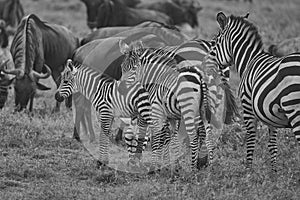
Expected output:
{"points": [[175, 144], [106, 120], [272, 145], [131, 143], [203, 149], [190, 125], [135, 141], [159, 119], [194, 146], [156, 143], [156, 146], [166, 138], [141, 136], [251, 126], [209, 143]]}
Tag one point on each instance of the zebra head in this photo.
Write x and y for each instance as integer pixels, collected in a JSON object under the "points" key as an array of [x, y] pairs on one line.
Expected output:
{"points": [[67, 84], [131, 63], [221, 52]]}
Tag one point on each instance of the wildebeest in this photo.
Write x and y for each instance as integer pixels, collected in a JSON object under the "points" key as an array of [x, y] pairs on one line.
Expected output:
{"points": [[104, 13], [5, 82], [129, 30], [179, 14], [285, 47], [5, 61], [37, 49], [11, 11]]}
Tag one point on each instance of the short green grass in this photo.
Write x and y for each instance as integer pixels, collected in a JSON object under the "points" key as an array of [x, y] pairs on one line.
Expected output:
{"points": [[40, 160]]}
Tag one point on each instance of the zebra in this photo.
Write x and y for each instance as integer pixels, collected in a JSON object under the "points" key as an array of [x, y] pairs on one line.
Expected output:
{"points": [[269, 86], [173, 94], [193, 53], [109, 99]]}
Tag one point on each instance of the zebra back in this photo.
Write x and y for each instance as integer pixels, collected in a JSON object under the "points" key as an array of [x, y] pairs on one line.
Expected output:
{"points": [[99, 85]]}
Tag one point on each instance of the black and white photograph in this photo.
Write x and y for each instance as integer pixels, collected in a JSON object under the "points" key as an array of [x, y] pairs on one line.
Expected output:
{"points": [[149, 99]]}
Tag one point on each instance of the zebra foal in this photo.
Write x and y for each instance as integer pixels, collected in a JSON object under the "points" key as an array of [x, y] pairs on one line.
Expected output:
{"points": [[269, 87], [174, 95], [110, 99]]}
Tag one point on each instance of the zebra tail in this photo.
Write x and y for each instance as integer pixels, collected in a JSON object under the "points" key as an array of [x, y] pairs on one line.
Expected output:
{"points": [[206, 105], [230, 106]]}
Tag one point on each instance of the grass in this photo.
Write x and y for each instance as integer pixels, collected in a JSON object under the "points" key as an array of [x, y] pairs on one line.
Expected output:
{"points": [[40, 160]]}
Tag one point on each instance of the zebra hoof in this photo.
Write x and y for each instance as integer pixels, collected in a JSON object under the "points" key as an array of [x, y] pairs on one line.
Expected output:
{"points": [[100, 165], [202, 162], [152, 170]]}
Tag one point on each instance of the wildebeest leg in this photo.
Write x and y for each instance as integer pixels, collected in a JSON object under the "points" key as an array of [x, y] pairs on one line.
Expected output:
{"points": [[57, 107], [76, 135], [31, 102], [3, 96], [56, 75], [68, 102]]}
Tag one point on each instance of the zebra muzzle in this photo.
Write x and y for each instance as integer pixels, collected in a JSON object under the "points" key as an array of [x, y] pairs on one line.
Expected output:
{"points": [[58, 97]]}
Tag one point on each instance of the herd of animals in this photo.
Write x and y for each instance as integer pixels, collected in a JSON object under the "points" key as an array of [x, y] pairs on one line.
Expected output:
{"points": [[136, 64]]}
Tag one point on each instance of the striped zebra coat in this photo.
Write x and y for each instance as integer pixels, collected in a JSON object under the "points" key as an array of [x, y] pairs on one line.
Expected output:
{"points": [[269, 88], [108, 97], [173, 94]]}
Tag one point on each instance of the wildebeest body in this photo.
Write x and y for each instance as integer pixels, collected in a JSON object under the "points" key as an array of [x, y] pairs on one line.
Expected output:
{"points": [[104, 13], [125, 31], [177, 13]]}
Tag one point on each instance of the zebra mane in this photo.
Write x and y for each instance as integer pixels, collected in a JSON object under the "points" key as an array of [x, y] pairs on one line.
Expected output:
{"points": [[165, 54], [251, 27], [104, 76]]}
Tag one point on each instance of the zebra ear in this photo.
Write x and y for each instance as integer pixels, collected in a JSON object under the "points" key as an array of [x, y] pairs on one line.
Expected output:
{"points": [[124, 48], [69, 64], [246, 16], [222, 19], [140, 44]]}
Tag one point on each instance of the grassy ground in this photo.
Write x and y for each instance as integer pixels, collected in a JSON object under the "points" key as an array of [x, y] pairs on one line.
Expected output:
{"points": [[40, 160]]}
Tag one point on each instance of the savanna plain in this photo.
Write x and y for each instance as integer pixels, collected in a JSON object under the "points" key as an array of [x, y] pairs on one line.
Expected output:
{"points": [[39, 159]]}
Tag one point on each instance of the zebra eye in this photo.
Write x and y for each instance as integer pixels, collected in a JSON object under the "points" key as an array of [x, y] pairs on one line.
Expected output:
{"points": [[65, 82]]}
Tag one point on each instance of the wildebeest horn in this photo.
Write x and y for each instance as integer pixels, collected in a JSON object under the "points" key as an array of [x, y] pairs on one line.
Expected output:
{"points": [[17, 72], [41, 75]]}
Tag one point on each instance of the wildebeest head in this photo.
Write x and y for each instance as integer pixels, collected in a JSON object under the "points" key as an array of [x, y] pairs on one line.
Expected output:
{"points": [[26, 85], [191, 15], [11, 11], [191, 11], [92, 12], [25, 50]]}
